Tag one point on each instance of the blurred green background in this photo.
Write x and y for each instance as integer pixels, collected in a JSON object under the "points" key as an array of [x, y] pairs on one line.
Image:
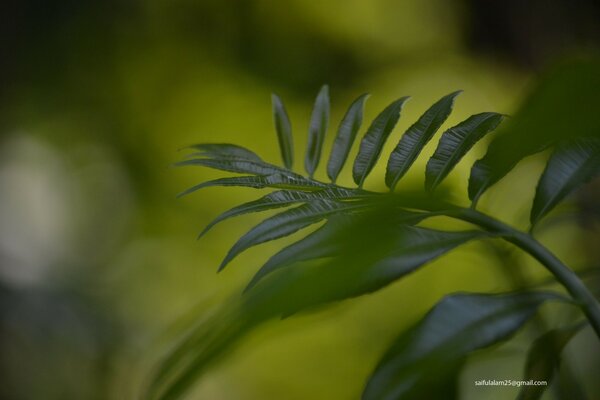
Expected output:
{"points": [[97, 257]]}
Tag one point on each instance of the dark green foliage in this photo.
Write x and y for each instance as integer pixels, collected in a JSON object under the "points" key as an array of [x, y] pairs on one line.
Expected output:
{"points": [[346, 134], [424, 359], [572, 164], [455, 143], [416, 137], [369, 240], [317, 130], [283, 127], [564, 105], [543, 359], [374, 139]]}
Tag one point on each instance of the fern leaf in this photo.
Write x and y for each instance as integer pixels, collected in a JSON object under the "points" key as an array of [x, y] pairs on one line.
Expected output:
{"points": [[416, 137], [317, 129], [374, 139], [286, 223], [223, 150], [283, 198], [346, 134], [455, 143], [572, 164], [283, 127], [438, 344]]}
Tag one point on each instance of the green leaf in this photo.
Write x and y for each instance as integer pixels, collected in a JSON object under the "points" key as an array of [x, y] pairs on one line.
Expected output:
{"points": [[548, 115], [317, 129], [346, 134], [277, 181], [366, 259], [238, 165], [221, 150], [286, 223], [329, 240], [374, 139], [298, 288], [572, 164], [543, 359], [283, 198], [455, 143], [283, 127], [457, 325], [416, 137]]}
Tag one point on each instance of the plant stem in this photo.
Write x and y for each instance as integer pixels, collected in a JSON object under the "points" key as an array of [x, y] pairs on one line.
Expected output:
{"points": [[578, 291]]}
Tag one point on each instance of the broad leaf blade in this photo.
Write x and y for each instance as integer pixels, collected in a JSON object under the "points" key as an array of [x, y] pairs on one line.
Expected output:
{"points": [[374, 139], [317, 129], [572, 164], [346, 134], [286, 223], [284, 198], [548, 115], [455, 143], [416, 137], [543, 359], [456, 326], [283, 127]]}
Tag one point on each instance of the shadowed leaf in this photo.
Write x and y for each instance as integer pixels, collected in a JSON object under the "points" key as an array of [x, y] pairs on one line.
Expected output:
{"points": [[238, 165], [416, 137], [223, 150], [374, 139], [332, 239], [543, 359], [564, 105], [288, 222], [572, 164], [349, 127], [434, 347], [317, 130], [455, 143], [283, 198], [277, 181], [283, 127]]}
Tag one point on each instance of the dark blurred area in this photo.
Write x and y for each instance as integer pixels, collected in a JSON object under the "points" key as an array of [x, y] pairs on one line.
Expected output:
{"points": [[97, 257]]}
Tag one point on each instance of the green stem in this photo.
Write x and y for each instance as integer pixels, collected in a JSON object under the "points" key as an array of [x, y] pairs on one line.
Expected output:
{"points": [[578, 291]]}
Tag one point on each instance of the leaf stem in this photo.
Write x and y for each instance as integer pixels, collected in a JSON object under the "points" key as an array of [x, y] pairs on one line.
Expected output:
{"points": [[578, 291]]}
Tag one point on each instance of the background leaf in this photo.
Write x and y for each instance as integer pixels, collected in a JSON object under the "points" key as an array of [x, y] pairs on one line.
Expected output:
{"points": [[434, 347], [543, 359], [416, 137], [349, 127], [283, 127], [572, 164], [549, 114], [455, 143], [374, 139], [317, 130]]}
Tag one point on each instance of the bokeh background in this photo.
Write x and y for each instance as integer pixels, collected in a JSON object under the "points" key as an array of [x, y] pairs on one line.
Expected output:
{"points": [[98, 263]]}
